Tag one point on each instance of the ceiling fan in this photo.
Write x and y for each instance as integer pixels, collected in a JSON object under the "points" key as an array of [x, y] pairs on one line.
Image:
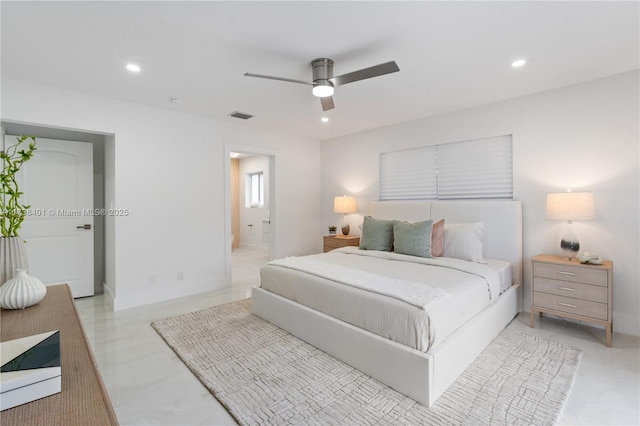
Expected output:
{"points": [[324, 81]]}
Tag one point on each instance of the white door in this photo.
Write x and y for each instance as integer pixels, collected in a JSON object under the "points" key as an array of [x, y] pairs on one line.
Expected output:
{"points": [[58, 184]]}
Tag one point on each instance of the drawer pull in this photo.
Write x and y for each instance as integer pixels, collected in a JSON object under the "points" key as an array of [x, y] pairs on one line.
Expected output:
{"points": [[567, 304], [566, 273], [566, 288]]}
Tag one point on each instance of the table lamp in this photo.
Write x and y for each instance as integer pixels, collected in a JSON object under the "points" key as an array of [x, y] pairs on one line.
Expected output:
{"points": [[570, 206], [345, 205]]}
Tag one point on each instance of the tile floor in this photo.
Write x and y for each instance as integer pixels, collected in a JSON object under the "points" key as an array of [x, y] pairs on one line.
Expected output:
{"points": [[148, 384]]}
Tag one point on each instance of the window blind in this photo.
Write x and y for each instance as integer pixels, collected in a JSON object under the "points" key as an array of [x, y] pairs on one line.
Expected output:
{"points": [[480, 168], [408, 174], [475, 169]]}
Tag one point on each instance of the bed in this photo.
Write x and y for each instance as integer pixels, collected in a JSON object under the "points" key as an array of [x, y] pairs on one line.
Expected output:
{"points": [[383, 334]]}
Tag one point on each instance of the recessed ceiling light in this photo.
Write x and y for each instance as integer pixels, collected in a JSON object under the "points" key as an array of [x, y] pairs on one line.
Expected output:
{"points": [[518, 63], [133, 67], [234, 155], [325, 119]]}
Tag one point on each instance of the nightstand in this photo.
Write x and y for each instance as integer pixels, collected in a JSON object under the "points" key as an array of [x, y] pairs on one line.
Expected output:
{"points": [[336, 241], [573, 290]]}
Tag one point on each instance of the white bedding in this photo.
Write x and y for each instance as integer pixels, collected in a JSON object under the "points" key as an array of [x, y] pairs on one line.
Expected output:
{"points": [[503, 269], [388, 313], [414, 293]]}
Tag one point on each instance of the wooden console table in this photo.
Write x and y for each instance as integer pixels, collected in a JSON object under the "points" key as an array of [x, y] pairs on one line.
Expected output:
{"points": [[84, 399]]}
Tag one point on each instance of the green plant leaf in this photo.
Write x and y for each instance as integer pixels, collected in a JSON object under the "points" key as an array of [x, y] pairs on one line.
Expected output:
{"points": [[12, 213]]}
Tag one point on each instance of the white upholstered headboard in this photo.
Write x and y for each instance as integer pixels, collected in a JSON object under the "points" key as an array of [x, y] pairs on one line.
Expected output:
{"points": [[502, 223]]}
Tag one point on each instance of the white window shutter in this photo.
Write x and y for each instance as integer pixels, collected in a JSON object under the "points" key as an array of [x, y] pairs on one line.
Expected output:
{"points": [[473, 169], [408, 174], [480, 168]]}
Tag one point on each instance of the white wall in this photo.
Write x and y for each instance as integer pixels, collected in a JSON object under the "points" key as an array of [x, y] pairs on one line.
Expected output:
{"points": [[167, 169], [583, 137], [255, 216]]}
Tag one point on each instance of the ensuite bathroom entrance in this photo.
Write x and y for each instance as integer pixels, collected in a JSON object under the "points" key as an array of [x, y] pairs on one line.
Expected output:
{"points": [[251, 221]]}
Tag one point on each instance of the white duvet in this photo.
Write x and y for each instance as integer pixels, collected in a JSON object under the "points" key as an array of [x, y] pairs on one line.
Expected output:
{"points": [[414, 301], [415, 293]]}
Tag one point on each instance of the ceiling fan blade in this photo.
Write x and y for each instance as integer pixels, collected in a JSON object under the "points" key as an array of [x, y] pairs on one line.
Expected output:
{"points": [[327, 103], [290, 80], [374, 71]]}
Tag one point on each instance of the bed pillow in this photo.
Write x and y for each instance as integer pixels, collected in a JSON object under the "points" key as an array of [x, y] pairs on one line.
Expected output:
{"points": [[437, 238], [464, 241], [377, 234], [413, 239]]}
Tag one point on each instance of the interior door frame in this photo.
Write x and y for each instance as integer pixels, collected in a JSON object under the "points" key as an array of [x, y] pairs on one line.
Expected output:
{"points": [[246, 149], [105, 142]]}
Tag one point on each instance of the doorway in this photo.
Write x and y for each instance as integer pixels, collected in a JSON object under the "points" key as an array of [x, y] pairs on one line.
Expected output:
{"points": [[97, 250], [250, 214]]}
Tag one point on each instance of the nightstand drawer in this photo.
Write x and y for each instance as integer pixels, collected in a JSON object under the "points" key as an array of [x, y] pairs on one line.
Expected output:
{"points": [[334, 242], [572, 306], [594, 293], [331, 243], [575, 274]]}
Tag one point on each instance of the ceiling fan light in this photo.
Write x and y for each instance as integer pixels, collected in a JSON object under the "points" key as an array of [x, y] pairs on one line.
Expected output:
{"points": [[322, 89]]}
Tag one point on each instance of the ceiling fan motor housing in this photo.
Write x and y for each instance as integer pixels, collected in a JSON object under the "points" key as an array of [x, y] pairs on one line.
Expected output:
{"points": [[322, 71]]}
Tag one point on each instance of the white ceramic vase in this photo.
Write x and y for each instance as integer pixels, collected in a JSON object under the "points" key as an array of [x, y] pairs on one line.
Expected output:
{"points": [[21, 291], [13, 256]]}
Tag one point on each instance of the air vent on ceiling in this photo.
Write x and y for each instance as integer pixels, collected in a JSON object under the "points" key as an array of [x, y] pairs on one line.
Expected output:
{"points": [[240, 115]]}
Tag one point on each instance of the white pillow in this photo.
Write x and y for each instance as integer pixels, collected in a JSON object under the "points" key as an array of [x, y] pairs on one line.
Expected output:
{"points": [[463, 241]]}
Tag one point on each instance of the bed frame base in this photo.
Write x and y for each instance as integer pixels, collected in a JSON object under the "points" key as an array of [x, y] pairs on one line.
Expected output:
{"points": [[421, 376]]}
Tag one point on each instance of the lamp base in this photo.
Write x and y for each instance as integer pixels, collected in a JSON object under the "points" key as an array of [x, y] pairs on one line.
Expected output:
{"points": [[570, 249], [569, 245], [345, 225]]}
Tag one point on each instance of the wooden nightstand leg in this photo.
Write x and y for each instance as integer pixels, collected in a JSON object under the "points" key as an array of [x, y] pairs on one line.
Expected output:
{"points": [[609, 333], [532, 319]]}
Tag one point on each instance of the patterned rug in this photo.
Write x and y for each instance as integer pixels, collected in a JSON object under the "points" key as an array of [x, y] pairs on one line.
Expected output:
{"points": [[264, 375]]}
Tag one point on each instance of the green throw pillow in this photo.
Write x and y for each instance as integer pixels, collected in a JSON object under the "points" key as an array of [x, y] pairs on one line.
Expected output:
{"points": [[413, 239], [377, 234]]}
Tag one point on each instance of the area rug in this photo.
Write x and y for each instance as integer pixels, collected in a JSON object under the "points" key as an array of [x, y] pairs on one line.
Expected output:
{"points": [[264, 375]]}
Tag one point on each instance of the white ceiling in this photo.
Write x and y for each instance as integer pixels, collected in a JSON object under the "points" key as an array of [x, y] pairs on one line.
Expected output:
{"points": [[452, 55]]}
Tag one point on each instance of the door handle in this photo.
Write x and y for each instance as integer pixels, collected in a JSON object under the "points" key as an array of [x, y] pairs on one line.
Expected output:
{"points": [[85, 226]]}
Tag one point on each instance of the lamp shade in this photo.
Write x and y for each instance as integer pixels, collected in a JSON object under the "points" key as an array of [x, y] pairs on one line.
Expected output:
{"points": [[571, 206], [345, 204]]}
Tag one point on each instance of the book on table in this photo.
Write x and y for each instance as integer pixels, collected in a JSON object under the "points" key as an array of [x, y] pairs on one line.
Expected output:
{"points": [[30, 369]]}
